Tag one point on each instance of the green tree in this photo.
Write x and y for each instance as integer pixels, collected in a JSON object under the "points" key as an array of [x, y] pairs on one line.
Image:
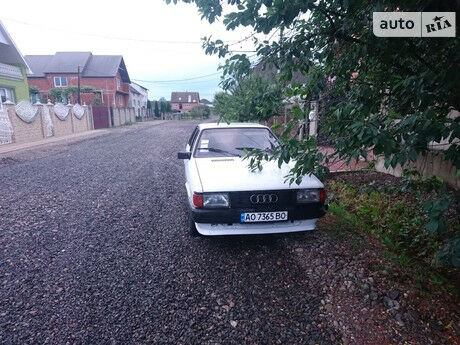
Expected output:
{"points": [[252, 98], [394, 94], [156, 109], [391, 95], [201, 110]]}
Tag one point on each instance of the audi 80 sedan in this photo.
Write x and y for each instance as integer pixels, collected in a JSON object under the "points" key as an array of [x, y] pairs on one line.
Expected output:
{"points": [[227, 198]]}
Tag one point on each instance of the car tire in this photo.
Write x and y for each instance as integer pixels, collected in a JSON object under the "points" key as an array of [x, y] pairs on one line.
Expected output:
{"points": [[191, 225]]}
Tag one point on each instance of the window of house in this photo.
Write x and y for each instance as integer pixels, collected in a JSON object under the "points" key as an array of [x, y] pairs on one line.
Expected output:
{"points": [[60, 81], [118, 84], [120, 99], [34, 97], [6, 94]]}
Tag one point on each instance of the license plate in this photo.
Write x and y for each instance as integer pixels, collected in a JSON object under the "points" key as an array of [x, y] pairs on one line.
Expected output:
{"points": [[253, 217]]}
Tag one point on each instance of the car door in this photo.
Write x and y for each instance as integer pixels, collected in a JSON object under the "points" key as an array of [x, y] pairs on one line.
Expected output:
{"points": [[189, 163]]}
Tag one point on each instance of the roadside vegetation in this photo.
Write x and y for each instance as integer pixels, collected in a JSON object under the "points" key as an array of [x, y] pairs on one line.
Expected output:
{"points": [[197, 112], [395, 211]]}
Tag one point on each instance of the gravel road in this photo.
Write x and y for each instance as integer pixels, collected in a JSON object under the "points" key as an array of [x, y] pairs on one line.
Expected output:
{"points": [[94, 249]]}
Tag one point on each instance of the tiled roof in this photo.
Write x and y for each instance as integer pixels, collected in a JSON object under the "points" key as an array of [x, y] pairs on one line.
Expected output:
{"points": [[205, 101], [185, 97], [68, 62]]}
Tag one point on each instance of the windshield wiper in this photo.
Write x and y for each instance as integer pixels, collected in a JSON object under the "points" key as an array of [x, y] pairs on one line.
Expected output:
{"points": [[213, 149], [248, 148]]}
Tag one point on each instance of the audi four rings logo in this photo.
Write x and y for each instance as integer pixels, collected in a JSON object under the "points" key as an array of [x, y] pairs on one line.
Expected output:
{"points": [[263, 198]]}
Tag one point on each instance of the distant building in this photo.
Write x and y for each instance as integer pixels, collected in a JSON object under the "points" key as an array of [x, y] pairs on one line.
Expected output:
{"points": [[13, 70], [269, 71], [138, 98], [184, 101], [204, 101], [106, 73]]}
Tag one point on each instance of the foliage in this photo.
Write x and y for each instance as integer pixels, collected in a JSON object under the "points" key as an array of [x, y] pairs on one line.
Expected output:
{"points": [[435, 210], [163, 105], [399, 218], [312, 162], [395, 93], [252, 99], [200, 111], [60, 94], [156, 109], [149, 104], [33, 90]]}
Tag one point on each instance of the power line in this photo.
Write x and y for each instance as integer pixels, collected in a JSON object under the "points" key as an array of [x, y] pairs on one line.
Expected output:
{"points": [[114, 37], [184, 83], [176, 80]]}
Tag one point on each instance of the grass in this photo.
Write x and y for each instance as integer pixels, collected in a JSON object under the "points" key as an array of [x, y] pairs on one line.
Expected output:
{"points": [[393, 249]]}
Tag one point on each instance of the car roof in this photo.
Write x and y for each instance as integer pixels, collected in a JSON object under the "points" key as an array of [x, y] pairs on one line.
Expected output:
{"points": [[230, 125]]}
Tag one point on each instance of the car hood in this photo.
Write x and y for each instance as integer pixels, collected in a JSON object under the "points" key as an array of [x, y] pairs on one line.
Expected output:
{"points": [[232, 174]]}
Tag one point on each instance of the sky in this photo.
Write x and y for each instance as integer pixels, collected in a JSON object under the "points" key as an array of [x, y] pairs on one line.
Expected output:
{"points": [[160, 43]]}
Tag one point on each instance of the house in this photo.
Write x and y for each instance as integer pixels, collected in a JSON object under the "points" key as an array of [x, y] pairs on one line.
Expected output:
{"points": [[184, 101], [13, 70], [105, 74], [204, 101], [269, 71], [138, 96]]}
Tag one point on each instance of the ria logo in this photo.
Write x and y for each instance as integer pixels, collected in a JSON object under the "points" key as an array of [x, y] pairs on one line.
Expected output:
{"points": [[438, 24], [413, 24]]}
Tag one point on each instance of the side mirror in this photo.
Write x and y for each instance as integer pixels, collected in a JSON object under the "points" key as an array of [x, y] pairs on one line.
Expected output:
{"points": [[184, 155]]}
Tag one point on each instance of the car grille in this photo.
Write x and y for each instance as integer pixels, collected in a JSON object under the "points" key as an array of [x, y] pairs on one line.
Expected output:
{"points": [[263, 200]]}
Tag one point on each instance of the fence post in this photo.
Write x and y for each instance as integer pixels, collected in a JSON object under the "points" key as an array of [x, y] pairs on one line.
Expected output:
{"points": [[71, 117], [40, 115], [87, 110], [313, 119]]}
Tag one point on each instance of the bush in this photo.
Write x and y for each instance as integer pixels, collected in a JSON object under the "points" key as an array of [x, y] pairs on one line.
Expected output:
{"points": [[202, 111]]}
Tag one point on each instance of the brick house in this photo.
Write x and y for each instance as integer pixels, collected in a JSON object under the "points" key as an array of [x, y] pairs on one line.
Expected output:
{"points": [[184, 101], [106, 73]]}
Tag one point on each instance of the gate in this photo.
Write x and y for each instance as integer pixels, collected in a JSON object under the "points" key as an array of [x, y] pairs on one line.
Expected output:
{"points": [[100, 117]]}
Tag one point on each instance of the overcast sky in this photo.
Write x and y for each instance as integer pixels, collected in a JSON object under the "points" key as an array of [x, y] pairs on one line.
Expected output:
{"points": [[159, 42]]}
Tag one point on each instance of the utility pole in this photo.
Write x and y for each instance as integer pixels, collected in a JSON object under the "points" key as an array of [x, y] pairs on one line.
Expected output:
{"points": [[78, 91]]}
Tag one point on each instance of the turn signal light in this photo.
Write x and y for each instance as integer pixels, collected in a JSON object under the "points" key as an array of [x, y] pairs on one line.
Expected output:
{"points": [[198, 200], [322, 195]]}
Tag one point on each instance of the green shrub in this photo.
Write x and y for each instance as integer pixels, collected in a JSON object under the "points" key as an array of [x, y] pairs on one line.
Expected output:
{"points": [[405, 222], [200, 111]]}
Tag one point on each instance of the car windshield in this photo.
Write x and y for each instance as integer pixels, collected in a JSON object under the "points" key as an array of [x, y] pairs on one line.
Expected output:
{"points": [[233, 142]]}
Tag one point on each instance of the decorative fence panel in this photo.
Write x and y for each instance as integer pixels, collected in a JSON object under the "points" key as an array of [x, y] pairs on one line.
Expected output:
{"points": [[26, 122]]}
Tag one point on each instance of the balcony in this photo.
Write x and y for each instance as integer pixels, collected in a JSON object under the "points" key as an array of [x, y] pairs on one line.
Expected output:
{"points": [[10, 72]]}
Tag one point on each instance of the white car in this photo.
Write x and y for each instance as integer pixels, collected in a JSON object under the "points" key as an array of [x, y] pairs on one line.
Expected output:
{"points": [[226, 198]]}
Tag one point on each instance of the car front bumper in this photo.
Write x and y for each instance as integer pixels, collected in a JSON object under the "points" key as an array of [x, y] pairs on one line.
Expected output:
{"points": [[255, 228], [227, 221]]}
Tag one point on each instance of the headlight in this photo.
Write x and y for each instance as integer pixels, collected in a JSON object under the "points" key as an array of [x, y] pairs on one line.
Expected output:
{"points": [[307, 195], [216, 200]]}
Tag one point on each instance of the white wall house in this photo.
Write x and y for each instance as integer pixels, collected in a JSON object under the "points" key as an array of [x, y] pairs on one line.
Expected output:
{"points": [[138, 98]]}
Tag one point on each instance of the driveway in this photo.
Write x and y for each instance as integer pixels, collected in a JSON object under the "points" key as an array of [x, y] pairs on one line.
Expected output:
{"points": [[94, 248]]}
